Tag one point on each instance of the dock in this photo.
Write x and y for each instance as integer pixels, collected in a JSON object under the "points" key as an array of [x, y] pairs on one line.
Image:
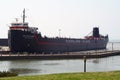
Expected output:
{"points": [[6, 55]]}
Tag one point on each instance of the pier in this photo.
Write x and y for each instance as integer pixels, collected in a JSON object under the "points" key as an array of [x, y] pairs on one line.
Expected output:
{"points": [[6, 55]]}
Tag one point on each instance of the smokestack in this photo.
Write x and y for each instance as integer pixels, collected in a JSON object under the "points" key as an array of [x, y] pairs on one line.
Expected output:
{"points": [[96, 32]]}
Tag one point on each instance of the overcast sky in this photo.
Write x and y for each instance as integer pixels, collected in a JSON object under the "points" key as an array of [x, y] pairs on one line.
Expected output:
{"points": [[75, 18]]}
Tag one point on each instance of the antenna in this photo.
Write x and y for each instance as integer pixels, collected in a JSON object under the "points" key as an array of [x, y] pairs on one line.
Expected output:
{"points": [[24, 15], [59, 33], [16, 19]]}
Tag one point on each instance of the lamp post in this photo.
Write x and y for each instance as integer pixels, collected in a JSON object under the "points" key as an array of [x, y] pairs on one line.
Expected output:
{"points": [[84, 63]]}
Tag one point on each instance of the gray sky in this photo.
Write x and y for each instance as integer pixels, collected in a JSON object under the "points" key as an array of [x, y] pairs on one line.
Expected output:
{"points": [[75, 18]]}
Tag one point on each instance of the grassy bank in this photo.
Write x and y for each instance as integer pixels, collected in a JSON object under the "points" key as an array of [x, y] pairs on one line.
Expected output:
{"points": [[7, 74], [115, 75]]}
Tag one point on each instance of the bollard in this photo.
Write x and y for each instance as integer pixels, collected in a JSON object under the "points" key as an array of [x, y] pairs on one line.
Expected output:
{"points": [[112, 46], [84, 63]]}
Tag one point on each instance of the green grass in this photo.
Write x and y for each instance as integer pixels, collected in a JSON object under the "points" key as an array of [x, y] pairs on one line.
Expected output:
{"points": [[115, 75], [7, 74]]}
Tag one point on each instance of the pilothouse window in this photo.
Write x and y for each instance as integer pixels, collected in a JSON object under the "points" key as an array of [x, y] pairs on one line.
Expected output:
{"points": [[15, 24], [20, 24]]}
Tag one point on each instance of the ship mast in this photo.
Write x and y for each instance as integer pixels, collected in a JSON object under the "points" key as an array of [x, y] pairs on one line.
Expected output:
{"points": [[24, 16]]}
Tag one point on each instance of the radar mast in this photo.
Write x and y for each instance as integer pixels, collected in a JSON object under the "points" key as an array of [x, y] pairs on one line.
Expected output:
{"points": [[24, 15]]}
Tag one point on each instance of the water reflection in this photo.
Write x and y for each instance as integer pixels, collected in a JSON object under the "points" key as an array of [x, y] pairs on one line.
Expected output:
{"points": [[52, 64], [96, 61], [38, 67]]}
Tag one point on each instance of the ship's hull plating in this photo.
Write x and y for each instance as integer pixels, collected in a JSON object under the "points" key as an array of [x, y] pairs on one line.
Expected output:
{"points": [[25, 41]]}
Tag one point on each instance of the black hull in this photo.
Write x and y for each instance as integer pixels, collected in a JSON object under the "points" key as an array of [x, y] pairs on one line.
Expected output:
{"points": [[3, 42], [25, 41]]}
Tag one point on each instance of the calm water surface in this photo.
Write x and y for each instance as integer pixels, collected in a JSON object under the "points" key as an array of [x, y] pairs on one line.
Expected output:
{"points": [[39, 67]]}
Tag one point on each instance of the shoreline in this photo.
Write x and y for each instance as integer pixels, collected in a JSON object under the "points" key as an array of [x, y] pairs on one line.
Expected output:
{"points": [[71, 55], [109, 75]]}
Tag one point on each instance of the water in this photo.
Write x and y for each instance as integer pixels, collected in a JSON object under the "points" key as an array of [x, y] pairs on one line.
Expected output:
{"points": [[40, 67]]}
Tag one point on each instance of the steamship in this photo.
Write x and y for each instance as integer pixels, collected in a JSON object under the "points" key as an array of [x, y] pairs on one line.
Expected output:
{"points": [[22, 38]]}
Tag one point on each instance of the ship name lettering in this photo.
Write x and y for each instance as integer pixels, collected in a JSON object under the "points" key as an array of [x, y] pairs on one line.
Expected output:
{"points": [[73, 41], [77, 41]]}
